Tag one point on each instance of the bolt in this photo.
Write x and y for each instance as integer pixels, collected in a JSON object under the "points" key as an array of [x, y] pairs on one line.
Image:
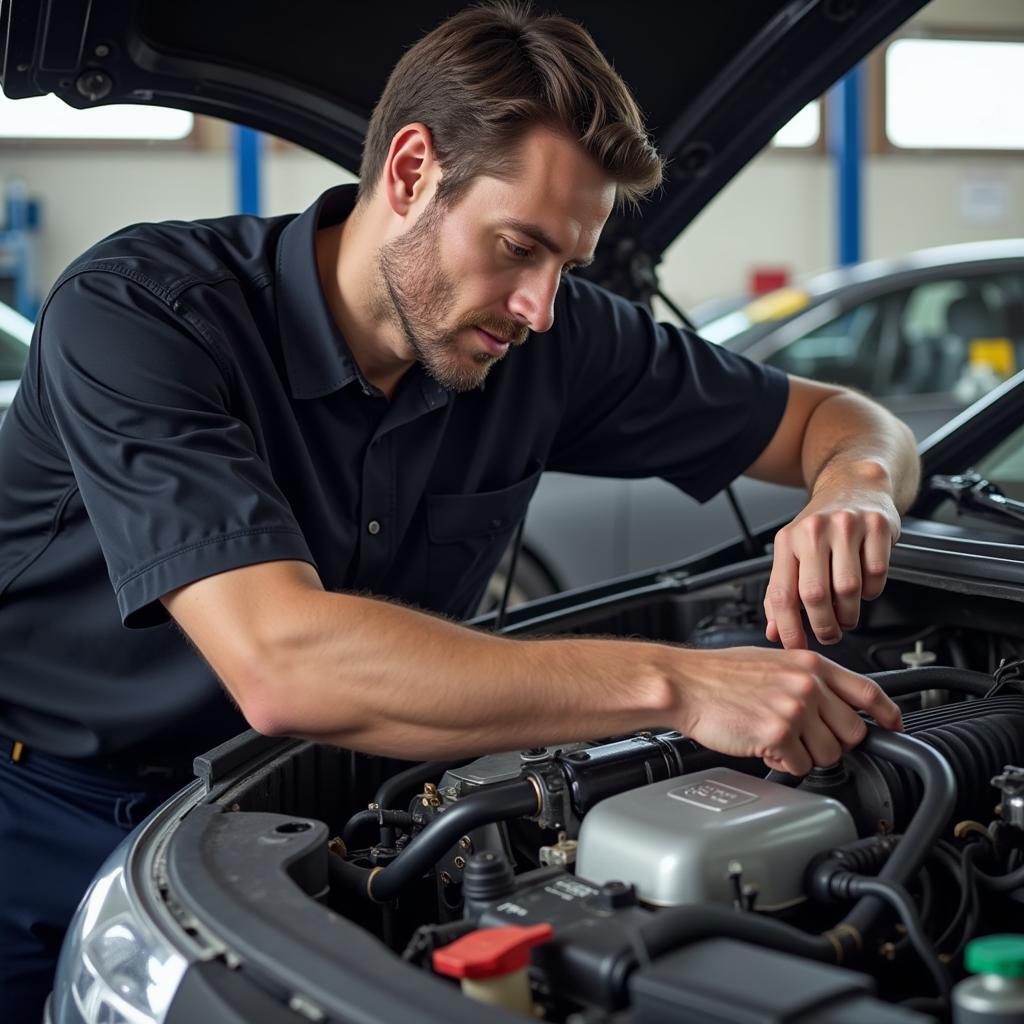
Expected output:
{"points": [[446, 879], [466, 843], [94, 85], [460, 862], [102, 50]]}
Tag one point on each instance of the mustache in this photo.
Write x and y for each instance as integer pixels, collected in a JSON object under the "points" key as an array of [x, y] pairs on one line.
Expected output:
{"points": [[502, 329]]}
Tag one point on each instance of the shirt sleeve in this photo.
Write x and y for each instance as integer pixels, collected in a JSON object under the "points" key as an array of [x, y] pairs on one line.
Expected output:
{"points": [[649, 399], [171, 480]]}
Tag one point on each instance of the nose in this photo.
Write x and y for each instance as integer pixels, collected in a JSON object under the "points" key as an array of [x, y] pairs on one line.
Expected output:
{"points": [[533, 301]]}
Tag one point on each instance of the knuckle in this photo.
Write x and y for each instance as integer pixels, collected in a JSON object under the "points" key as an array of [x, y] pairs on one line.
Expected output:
{"points": [[789, 634], [803, 686], [845, 522], [806, 661], [779, 594], [776, 734], [846, 585], [877, 522], [815, 525], [855, 732], [812, 592]]}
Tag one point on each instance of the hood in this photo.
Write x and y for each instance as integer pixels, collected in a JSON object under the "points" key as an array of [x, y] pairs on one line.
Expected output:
{"points": [[714, 80]]}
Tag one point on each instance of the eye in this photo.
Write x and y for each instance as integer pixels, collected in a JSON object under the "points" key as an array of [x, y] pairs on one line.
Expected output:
{"points": [[518, 252]]}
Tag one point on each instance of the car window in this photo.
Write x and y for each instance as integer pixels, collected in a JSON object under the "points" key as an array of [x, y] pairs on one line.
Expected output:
{"points": [[841, 351], [954, 337]]}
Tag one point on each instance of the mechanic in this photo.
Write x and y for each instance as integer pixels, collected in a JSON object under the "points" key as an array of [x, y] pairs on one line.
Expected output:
{"points": [[261, 452]]}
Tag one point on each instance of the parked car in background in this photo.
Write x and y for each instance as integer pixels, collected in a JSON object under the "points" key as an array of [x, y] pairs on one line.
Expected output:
{"points": [[926, 334], [15, 334]]}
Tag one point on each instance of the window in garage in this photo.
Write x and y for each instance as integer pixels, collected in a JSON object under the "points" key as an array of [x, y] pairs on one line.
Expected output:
{"points": [[959, 94], [802, 130], [47, 117]]}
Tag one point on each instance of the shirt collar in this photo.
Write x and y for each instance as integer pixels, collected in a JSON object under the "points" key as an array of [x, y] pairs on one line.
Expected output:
{"points": [[316, 355]]}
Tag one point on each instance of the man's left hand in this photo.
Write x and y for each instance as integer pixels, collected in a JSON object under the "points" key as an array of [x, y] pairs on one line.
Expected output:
{"points": [[832, 556]]}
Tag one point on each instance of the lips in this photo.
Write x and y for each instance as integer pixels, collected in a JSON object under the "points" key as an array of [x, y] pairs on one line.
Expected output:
{"points": [[494, 345]]}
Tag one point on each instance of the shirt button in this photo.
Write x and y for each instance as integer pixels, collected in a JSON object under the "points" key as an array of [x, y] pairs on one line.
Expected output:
{"points": [[373, 527]]}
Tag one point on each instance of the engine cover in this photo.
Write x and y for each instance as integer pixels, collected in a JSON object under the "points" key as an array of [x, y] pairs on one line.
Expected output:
{"points": [[675, 840]]}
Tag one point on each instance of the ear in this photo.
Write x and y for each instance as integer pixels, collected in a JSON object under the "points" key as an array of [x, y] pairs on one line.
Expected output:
{"points": [[411, 171]]}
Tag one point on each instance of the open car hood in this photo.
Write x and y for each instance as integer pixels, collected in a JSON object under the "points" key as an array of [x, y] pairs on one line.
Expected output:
{"points": [[715, 80]]}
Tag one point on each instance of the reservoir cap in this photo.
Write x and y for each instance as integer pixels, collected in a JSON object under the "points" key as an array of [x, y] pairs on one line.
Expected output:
{"points": [[996, 954]]}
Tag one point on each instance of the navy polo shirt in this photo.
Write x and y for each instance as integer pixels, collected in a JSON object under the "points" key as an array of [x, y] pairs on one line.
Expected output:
{"points": [[190, 407]]}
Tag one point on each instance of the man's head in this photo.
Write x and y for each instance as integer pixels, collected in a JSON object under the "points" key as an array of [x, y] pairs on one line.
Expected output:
{"points": [[497, 151]]}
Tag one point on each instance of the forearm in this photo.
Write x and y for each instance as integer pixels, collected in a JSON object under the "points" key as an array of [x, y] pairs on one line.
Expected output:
{"points": [[851, 441], [382, 678]]}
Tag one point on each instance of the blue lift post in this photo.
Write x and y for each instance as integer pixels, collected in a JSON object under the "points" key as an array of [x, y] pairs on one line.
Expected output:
{"points": [[846, 144], [248, 169]]}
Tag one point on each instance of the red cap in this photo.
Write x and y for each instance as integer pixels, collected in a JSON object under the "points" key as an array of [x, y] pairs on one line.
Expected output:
{"points": [[490, 952]]}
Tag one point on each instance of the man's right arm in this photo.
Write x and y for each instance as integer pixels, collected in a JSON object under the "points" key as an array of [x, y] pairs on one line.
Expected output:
{"points": [[382, 678]]}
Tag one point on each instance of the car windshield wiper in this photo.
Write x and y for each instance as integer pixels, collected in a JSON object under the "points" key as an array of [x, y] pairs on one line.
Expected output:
{"points": [[972, 492]]}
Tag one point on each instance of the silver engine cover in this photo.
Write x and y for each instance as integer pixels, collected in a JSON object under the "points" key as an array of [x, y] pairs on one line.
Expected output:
{"points": [[675, 840]]}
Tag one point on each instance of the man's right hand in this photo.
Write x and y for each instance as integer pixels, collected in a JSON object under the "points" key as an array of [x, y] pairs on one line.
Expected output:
{"points": [[375, 676], [795, 709]]}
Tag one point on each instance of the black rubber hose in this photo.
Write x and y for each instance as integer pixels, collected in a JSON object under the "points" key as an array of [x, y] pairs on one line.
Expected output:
{"points": [[902, 681], [361, 820], [495, 803], [899, 899], [938, 800], [344, 875], [1001, 883], [430, 771]]}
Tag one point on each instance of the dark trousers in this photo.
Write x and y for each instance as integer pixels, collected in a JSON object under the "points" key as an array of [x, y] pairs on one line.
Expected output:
{"points": [[58, 822]]}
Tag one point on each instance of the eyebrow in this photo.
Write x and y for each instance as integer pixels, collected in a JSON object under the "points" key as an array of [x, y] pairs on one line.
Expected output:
{"points": [[541, 237]]}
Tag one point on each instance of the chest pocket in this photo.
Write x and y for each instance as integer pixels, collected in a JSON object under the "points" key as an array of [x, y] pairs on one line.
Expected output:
{"points": [[468, 535]]}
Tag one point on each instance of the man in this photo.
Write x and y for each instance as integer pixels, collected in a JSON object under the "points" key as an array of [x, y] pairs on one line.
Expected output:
{"points": [[242, 429]]}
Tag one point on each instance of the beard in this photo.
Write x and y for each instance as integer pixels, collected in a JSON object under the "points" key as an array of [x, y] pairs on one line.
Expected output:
{"points": [[416, 295]]}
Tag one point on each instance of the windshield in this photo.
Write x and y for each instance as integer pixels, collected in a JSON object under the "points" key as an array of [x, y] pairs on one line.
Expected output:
{"points": [[1004, 465]]}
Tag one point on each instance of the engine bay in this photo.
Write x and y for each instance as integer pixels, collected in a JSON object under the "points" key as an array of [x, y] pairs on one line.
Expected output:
{"points": [[644, 878]]}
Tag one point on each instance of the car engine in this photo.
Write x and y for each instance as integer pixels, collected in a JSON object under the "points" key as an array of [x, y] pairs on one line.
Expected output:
{"points": [[647, 879]]}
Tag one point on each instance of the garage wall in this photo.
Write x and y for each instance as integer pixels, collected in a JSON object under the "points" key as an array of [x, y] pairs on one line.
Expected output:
{"points": [[778, 212]]}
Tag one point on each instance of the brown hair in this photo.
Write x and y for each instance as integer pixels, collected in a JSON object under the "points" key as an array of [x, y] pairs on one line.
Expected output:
{"points": [[485, 76]]}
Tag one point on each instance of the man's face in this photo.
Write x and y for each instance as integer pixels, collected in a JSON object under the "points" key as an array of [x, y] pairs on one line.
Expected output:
{"points": [[470, 279]]}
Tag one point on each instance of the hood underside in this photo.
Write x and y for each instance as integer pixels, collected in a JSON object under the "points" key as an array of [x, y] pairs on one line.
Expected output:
{"points": [[715, 81]]}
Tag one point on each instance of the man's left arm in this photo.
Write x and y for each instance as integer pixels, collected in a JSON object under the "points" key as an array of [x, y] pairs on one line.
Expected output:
{"points": [[860, 465]]}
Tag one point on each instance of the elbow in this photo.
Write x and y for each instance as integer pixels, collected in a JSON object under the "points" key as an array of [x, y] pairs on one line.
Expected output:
{"points": [[259, 685]]}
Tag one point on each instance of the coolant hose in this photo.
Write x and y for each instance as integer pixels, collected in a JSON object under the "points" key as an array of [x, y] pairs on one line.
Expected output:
{"points": [[938, 802], [495, 803], [901, 681]]}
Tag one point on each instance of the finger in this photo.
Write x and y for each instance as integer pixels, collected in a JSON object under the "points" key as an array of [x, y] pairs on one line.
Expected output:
{"points": [[821, 743], [843, 722], [860, 692], [815, 584], [793, 758], [875, 553], [846, 576], [782, 601]]}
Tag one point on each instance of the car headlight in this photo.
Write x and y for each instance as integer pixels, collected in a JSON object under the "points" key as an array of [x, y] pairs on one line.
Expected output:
{"points": [[114, 968]]}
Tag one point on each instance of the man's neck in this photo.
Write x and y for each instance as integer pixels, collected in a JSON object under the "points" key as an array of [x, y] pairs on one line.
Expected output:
{"points": [[345, 255]]}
